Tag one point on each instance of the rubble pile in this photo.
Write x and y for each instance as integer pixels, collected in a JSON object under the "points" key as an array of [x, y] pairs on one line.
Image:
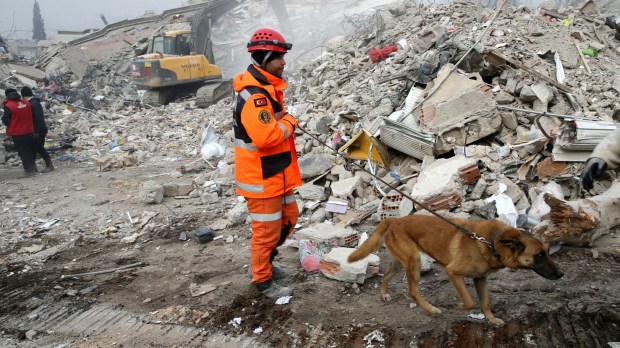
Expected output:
{"points": [[465, 134], [526, 81]]}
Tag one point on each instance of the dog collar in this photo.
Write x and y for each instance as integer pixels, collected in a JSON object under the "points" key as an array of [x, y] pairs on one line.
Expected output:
{"points": [[492, 243]]}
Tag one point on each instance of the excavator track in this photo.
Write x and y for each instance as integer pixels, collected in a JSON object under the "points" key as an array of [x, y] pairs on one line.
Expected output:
{"points": [[154, 97], [211, 93]]}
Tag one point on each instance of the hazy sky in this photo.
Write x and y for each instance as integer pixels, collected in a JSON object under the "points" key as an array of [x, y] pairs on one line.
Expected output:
{"points": [[16, 15]]}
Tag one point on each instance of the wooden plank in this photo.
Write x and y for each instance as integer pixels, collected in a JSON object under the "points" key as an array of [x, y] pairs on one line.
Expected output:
{"points": [[531, 71], [583, 59]]}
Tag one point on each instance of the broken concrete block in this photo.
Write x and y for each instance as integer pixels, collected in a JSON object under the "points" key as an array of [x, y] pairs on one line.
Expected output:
{"points": [[426, 263], [184, 189], [427, 37], [478, 190], [535, 29], [209, 198], [511, 85], [462, 102], [151, 192], [509, 120], [335, 266], [238, 214], [527, 94], [328, 232], [30, 334], [543, 92], [312, 192], [440, 178], [313, 165], [341, 172], [170, 190], [318, 216], [366, 177], [503, 97], [344, 188], [570, 60], [539, 106]]}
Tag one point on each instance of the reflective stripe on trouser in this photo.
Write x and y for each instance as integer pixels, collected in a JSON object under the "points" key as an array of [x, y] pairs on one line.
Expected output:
{"points": [[273, 220]]}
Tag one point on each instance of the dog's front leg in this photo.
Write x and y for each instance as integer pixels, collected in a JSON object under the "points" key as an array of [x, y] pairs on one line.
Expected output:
{"points": [[483, 296], [459, 284]]}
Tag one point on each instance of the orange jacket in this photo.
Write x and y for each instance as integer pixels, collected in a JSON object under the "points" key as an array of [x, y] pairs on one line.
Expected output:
{"points": [[265, 157]]}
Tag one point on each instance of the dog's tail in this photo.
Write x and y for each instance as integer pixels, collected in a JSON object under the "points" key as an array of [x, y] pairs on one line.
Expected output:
{"points": [[373, 243]]}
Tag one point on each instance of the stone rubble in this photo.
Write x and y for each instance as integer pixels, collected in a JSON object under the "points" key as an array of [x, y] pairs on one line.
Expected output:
{"points": [[96, 118]]}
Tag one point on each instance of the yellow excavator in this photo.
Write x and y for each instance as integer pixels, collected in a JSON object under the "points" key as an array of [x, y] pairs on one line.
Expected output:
{"points": [[174, 69], [181, 63]]}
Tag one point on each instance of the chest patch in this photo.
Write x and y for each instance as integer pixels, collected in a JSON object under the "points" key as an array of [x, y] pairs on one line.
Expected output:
{"points": [[260, 102], [264, 117]]}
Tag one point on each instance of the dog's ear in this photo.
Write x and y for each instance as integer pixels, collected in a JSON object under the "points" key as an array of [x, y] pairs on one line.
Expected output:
{"points": [[513, 244]]}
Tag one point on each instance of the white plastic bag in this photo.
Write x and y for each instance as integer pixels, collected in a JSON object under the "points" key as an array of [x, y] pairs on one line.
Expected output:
{"points": [[209, 146]]}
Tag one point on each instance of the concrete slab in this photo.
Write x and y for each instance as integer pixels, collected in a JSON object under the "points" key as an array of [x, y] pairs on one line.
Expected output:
{"points": [[335, 266], [440, 177], [344, 188]]}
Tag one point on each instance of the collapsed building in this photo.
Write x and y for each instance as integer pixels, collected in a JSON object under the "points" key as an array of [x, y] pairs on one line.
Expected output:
{"points": [[469, 112], [413, 93]]}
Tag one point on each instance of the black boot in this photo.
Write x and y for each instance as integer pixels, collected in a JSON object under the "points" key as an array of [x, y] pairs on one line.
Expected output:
{"points": [[49, 167]]}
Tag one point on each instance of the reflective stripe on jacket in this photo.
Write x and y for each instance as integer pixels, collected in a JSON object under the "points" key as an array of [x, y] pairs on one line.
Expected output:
{"points": [[265, 157], [21, 117]]}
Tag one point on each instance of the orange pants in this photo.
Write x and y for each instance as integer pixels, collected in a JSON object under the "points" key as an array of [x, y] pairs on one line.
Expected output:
{"points": [[273, 220]]}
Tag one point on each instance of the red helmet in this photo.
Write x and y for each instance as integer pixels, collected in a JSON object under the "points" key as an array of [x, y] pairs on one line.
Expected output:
{"points": [[268, 40]]}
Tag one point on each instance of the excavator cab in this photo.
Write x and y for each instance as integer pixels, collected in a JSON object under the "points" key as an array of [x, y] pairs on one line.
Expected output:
{"points": [[174, 43]]}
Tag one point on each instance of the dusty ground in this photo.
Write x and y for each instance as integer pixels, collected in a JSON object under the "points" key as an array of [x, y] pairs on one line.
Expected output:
{"points": [[152, 305]]}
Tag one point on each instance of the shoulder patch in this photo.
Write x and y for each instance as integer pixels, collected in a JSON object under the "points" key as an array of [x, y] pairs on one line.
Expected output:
{"points": [[264, 117], [260, 102]]}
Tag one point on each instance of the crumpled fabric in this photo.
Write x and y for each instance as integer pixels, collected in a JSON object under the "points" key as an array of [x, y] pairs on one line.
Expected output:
{"points": [[377, 55], [311, 252]]}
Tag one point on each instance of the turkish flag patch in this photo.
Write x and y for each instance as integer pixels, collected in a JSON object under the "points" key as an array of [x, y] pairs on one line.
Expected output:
{"points": [[260, 102]]}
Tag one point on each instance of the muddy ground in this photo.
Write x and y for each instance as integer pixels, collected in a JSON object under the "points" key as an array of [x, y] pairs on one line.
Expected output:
{"points": [[152, 306]]}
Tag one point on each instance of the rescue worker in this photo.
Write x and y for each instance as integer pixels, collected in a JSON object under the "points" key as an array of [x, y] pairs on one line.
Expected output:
{"points": [[19, 126], [606, 155], [266, 169], [40, 128]]}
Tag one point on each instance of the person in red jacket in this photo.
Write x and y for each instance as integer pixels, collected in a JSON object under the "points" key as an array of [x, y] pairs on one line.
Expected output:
{"points": [[266, 169], [18, 120]]}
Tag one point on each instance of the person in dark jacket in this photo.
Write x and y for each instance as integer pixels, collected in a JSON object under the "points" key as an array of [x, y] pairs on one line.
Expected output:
{"points": [[19, 126], [40, 127]]}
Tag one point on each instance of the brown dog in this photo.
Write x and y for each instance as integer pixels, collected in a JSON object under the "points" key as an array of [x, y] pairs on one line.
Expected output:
{"points": [[460, 255]]}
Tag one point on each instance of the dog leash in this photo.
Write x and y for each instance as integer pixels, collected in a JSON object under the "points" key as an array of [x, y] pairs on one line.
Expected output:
{"points": [[423, 206]]}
